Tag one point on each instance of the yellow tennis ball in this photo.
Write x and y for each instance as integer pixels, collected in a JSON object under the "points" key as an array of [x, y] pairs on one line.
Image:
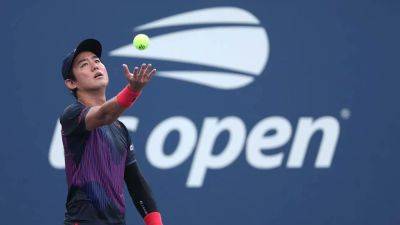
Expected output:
{"points": [[141, 41]]}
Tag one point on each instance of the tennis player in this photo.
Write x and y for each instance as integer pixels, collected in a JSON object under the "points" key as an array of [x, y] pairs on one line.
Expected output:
{"points": [[99, 154]]}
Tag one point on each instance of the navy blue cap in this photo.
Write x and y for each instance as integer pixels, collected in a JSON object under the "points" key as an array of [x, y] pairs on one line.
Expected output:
{"points": [[90, 45]]}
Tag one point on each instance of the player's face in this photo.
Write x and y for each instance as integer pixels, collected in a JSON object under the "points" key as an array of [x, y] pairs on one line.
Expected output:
{"points": [[90, 73]]}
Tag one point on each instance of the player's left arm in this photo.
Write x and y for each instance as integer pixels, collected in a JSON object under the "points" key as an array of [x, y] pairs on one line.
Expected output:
{"points": [[141, 195]]}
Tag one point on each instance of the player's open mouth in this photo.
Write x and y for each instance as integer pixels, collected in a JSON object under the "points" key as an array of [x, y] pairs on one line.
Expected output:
{"points": [[98, 74]]}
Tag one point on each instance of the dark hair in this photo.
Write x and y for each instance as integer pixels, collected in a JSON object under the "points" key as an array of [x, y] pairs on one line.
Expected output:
{"points": [[75, 90]]}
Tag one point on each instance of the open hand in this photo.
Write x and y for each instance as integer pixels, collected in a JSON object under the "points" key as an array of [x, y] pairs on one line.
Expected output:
{"points": [[139, 77]]}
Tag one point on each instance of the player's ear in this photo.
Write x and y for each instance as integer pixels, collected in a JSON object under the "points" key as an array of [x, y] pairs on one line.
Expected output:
{"points": [[71, 84]]}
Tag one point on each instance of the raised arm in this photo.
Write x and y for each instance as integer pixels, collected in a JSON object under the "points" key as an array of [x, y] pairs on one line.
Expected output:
{"points": [[110, 111]]}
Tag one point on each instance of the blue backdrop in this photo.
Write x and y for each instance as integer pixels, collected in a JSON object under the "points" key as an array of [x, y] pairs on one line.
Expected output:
{"points": [[262, 112]]}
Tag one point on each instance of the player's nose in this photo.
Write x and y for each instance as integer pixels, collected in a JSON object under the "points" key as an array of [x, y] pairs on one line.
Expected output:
{"points": [[94, 66]]}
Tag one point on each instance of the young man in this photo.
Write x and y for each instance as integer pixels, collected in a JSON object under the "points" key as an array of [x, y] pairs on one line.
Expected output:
{"points": [[99, 154]]}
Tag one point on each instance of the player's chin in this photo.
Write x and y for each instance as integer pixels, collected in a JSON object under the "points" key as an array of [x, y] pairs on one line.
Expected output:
{"points": [[101, 79], [99, 84], [103, 83]]}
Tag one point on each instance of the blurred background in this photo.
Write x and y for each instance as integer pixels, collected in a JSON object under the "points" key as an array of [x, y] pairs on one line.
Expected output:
{"points": [[261, 113]]}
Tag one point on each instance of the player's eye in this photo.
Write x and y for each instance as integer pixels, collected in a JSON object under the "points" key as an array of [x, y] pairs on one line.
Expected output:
{"points": [[84, 64], [97, 60]]}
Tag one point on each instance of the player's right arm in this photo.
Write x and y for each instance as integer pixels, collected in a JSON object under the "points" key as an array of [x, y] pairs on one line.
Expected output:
{"points": [[109, 112]]}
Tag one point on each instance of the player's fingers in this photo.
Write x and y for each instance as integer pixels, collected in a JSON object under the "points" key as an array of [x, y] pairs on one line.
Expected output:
{"points": [[147, 72], [142, 68], [152, 73], [135, 72], [144, 76], [126, 71], [148, 69]]}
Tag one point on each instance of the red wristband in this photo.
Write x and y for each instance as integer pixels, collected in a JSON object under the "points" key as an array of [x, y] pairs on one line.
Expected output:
{"points": [[127, 96], [153, 218]]}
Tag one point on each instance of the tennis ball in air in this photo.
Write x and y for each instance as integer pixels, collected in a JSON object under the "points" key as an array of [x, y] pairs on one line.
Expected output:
{"points": [[141, 41]]}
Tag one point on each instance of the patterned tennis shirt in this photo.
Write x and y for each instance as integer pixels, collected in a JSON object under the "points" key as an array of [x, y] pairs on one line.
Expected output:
{"points": [[95, 162]]}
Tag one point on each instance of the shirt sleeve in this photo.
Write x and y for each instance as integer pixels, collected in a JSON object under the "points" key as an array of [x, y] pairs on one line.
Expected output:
{"points": [[139, 190], [73, 119], [130, 157]]}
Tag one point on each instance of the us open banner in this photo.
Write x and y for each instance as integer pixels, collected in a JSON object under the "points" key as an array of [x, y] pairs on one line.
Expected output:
{"points": [[260, 112]]}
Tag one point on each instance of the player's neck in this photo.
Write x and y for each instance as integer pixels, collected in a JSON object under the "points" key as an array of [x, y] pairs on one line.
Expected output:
{"points": [[92, 98]]}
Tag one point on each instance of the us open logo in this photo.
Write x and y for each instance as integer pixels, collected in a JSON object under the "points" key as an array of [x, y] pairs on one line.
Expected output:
{"points": [[234, 47], [234, 50]]}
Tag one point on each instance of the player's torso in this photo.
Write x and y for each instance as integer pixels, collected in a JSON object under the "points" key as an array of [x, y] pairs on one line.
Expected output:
{"points": [[95, 163]]}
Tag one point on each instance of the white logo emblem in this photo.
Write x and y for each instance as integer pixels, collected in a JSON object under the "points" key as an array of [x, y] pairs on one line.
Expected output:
{"points": [[131, 147], [234, 53]]}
